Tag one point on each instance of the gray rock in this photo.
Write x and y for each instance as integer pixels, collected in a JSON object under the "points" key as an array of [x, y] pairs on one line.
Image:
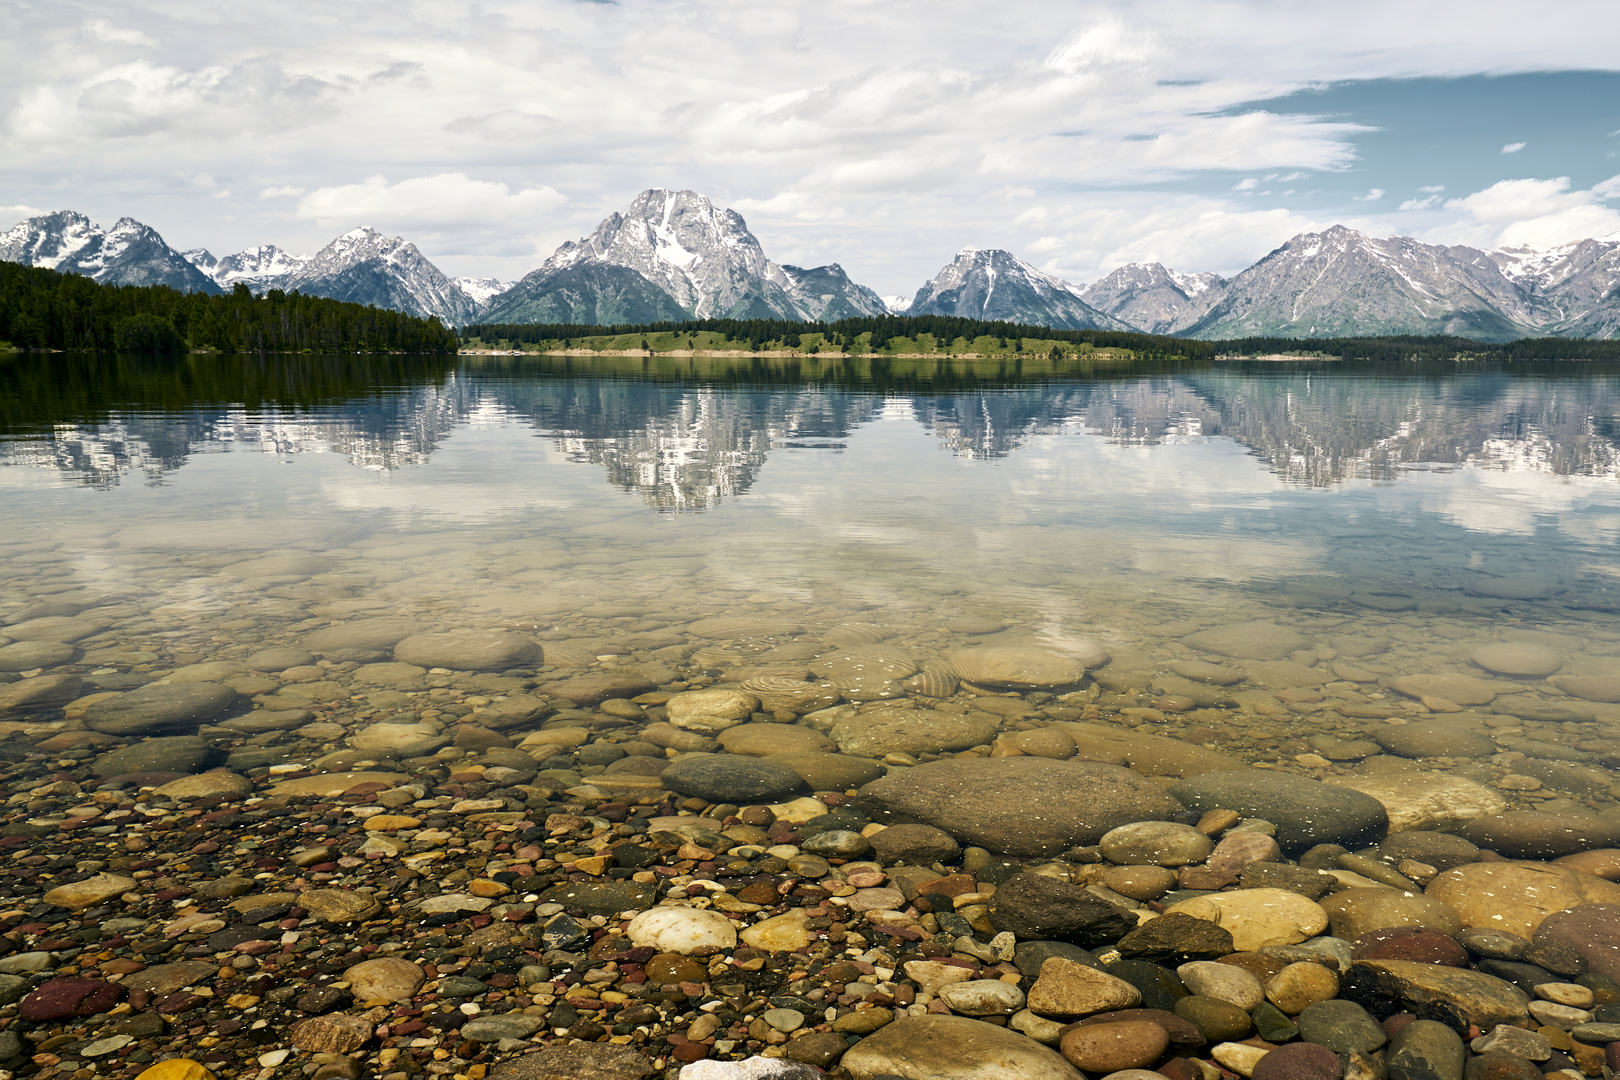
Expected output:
{"points": [[361, 634], [952, 1048], [10, 1047], [1537, 834], [576, 1061], [1455, 996], [601, 897], [1306, 812], [468, 650], [1248, 641], [39, 692], [504, 1026], [1592, 930], [724, 778], [1340, 1026], [911, 731], [1017, 805], [916, 845], [177, 754], [1030, 955], [27, 655], [1037, 906], [1434, 740], [1426, 1050], [160, 708], [12, 989], [279, 658], [1443, 851]]}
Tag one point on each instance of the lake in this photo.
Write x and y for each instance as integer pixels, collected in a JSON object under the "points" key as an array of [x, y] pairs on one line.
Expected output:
{"points": [[1357, 574]]}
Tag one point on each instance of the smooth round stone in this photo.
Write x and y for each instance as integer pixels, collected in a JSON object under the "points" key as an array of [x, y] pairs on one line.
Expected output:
{"points": [[915, 845], [39, 692], [1537, 834], [1592, 930], [1109, 1048], [1140, 882], [1224, 982], [279, 658], [1353, 912], [386, 978], [60, 628], [1459, 689], [682, 930], [338, 905], [1514, 587], [830, 772], [1517, 896], [1602, 862], [1600, 688], [97, 889], [714, 710], [1519, 659], [1258, 917], [28, 655], [159, 707], [1301, 985], [599, 686], [1426, 1048], [1216, 1020], [1418, 944], [837, 844], [1019, 667], [206, 785], [1047, 743], [911, 731], [386, 736], [783, 1019], [1248, 641], [1299, 1061], [1066, 988], [1157, 843], [982, 997], [1205, 672], [467, 650], [367, 635], [953, 1048], [1434, 740], [397, 675], [766, 740], [1341, 1026], [667, 968], [780, 933], [722, 778], [1039, 906], [1443, 851], [178, 754], [1306, 812], [1017, 806], [1425, 800]]}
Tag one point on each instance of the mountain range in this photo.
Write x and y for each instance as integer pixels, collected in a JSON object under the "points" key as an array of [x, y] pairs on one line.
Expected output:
{"points": [[675, 255]]}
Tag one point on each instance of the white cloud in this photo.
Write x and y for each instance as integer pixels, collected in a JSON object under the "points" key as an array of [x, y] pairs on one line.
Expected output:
{"points": [[1373, 195], [1421, 204], [1514, 147], [433, 203], [1540, 213], [1248, 184], [104, 30], [1431, 189], [286, 191]]}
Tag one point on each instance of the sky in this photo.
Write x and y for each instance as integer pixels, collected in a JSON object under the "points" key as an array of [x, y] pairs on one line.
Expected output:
{"points": [[883, 136]]}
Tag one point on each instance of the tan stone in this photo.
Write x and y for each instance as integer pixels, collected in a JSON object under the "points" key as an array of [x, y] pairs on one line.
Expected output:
{"points": [[1516, 896], [1066, 988], [1462, 689], [387, 822], [332, 784], [1258, 917], [386, 978], [78, 895], [1299, 985], [207, 784], [930, 975], [1377, 907], [334, 1034], [1432, 801], [176, 1069], [781, 933], [1151, 755]]}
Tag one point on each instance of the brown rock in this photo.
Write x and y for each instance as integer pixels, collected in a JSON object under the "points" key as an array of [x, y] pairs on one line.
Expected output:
{"points": [[1069, 989], [933, 1047], [576, 1061], [386, 978], [1106, 1048], [1592, 930], [1535, 834], [1354, 912], [336, 1033], [1454, 996], [1517, 896]]}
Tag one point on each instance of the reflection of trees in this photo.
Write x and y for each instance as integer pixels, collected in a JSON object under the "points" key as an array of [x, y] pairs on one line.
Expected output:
{"points": [[687, 439]]}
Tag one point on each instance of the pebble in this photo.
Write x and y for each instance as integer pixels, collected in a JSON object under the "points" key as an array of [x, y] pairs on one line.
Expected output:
{"points": [[1067, 989], [1258, 917], [682, 930], [1111, 1047], [954, 1048]]}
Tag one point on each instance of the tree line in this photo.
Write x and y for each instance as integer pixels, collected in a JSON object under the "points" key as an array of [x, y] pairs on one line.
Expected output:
{"points": [[882, 329], [47, 309]]}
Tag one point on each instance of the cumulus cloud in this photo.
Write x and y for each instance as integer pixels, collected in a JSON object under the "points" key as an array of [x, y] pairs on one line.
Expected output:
{"points": [[1514, 147], [105, 30], [436, 203], [1373, 195], [1540, 213]]}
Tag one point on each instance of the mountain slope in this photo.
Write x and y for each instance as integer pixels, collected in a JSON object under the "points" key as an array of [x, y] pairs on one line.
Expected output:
{"points": [[1342, 283], [676, 255], [995, 284], [1572, 290], [825, 293], [600, 294], [127, 254], [1153, 299], [365, 267]]}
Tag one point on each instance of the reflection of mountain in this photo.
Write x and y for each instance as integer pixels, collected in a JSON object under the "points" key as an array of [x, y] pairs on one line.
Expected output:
{"points": [[688, 438]]}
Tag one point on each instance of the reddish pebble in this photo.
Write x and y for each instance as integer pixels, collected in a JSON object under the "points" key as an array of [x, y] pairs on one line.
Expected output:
{"points": [[1299, 1061]]}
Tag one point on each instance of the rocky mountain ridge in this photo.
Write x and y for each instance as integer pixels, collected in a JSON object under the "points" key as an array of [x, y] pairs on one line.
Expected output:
{"points": [[675, 255]]}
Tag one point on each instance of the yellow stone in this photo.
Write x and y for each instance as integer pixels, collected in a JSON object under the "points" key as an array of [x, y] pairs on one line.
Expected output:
{"points": [[487, 888], [594, 865], [176, 1069], [242, 1001], [387, 822], [782, 933]]}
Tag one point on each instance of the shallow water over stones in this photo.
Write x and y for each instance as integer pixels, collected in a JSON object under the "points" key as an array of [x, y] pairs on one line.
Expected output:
{"points": [[416, 619]]}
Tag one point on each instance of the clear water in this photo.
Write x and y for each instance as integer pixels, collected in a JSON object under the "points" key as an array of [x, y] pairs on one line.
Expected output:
{"points": [[1441, 509]]}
